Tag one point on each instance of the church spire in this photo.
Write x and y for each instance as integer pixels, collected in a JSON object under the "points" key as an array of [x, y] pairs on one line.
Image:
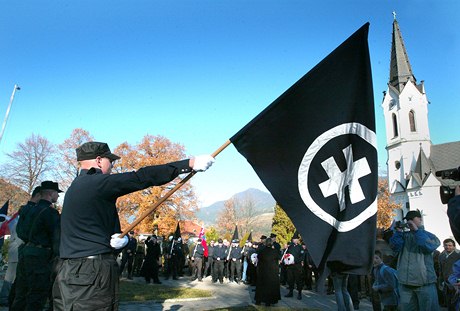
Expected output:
{"points": [[400, 69]]}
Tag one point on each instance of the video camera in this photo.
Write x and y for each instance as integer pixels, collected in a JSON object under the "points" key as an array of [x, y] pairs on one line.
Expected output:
{"points": [[401, 225], [446, 192]]}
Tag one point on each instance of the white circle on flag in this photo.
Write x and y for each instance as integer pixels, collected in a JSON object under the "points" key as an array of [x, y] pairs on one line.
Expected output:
{"points": [[343, 129]]}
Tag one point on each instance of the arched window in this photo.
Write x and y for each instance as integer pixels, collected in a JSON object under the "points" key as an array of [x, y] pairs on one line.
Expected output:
{"points": [[412, 120], [395, 125]]}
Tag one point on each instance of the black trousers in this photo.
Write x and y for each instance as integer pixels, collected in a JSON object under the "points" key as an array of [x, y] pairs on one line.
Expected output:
{"points": [[87, 284], [33, 279], [127, 259], [218, 270], [209, 267], [197, 268], [294, 276], [235, 270]]}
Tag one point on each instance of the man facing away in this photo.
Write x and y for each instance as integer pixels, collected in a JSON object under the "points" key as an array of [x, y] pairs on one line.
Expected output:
{"points": [[416, 275], [7, 292], [38, 227], [88, 278]]}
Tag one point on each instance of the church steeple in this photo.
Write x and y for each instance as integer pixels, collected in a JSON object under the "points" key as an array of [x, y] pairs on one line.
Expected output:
{"points": [[400, 69]]}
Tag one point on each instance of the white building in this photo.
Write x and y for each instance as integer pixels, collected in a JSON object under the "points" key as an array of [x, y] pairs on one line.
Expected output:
{"points": [[412, 158]]}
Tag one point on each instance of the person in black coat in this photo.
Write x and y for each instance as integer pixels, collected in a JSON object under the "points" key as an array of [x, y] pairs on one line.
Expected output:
{"points": [[220, 254], [128, 255], [268, 282], [149, 268]]}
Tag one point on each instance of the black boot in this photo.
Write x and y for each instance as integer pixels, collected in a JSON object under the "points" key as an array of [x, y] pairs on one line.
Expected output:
{"points": [[290, 294], [299, 295]]}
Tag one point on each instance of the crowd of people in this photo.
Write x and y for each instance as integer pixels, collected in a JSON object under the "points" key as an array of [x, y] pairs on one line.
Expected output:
{"points": [[70, 260]]}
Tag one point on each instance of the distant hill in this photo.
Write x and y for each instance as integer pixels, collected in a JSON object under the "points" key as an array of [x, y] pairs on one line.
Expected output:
{"points": [[263, 201]]}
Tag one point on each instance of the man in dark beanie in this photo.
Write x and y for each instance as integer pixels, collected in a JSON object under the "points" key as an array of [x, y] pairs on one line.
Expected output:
{"points": [[88, 278]]}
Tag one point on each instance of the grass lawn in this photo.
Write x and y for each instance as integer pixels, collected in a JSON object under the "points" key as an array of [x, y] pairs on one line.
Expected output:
{"points": [[131, 291]]}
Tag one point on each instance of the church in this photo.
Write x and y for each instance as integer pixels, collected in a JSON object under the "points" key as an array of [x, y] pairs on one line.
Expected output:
{"points": [[413, 159]]}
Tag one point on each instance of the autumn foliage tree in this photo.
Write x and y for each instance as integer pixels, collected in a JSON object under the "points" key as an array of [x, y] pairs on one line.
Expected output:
{"points": [[154, 150], [385, 206]]}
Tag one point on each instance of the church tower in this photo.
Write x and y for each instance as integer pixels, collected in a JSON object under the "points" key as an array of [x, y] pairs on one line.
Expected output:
{"points": [[412, 158], [405, 108]]}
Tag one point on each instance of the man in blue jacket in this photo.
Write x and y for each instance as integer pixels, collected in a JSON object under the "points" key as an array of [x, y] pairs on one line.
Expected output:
{"points": [[416, 275]]}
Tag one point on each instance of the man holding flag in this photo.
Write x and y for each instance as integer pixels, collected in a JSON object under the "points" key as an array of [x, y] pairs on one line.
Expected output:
{"points": [[88, 278]]}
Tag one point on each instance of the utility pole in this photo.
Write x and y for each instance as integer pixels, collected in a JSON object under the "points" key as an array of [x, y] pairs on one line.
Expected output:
{"points": [[16, 88]]}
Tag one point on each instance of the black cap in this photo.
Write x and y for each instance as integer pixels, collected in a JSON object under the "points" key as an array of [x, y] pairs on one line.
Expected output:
{"points": [[50, 185], [412, 214], [36, 191], [199, 240], [220, 241], [93, 149], [131, 232], [264, 237], [296, 235], [272, 235]]}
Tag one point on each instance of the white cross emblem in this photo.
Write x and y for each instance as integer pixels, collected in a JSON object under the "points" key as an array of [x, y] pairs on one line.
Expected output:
{"points": [[338, 180]]}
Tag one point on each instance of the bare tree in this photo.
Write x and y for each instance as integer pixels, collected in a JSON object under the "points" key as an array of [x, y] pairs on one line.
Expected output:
{"points": [[241, 212], [29, 163], [67, 167]]}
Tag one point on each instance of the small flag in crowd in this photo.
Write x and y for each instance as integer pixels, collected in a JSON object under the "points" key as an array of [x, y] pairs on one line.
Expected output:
{"points": [[314, 148], [202, 236]]}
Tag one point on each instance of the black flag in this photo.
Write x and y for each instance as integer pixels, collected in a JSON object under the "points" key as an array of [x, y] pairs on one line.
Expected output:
{"points": [[314, 148], [177, 233], [235, 233]]}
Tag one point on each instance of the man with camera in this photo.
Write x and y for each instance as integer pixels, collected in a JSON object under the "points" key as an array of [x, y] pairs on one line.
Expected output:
{"points": [[416, 275]]}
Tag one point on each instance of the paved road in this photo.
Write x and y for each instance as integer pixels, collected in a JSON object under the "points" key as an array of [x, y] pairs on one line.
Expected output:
{"points": [[226, 295], [232, 295]]}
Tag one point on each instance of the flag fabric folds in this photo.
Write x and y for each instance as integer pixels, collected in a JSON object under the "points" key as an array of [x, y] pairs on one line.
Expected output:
{"points": [[235, 233], [177, 233], [314, 148], [202, 236]]}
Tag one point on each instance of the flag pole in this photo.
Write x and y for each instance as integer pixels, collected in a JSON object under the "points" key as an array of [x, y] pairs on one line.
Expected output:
{"points": [[16, 88], [170, 192]]}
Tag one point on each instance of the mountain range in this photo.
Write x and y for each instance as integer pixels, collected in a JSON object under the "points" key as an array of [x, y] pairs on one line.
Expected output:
{"points": [[263, 203]]}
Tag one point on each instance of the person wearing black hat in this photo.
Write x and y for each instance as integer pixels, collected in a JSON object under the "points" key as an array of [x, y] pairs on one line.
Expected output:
{"points": [[236, 255], [294, 270], [416, 275], [39, 229], [275, 244], [91, 227], [220, 253], [128, 255], [15, 243], [197, 259], [150, 266]]}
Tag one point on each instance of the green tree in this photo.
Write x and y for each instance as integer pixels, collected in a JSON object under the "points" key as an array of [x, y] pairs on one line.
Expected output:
{"points": [[211, 234], [282, 225]]}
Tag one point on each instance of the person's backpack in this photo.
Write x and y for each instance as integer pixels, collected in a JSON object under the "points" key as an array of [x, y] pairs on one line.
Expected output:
{"points": [[26, 222]]}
